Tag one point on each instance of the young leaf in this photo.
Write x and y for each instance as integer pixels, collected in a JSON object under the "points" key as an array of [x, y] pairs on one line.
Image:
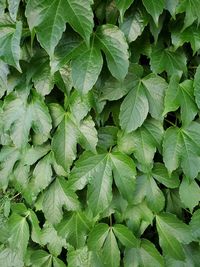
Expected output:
{"points": [[52, 17], [97, 236]]}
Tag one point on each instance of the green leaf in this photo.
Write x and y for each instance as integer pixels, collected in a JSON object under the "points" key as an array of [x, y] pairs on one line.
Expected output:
{"points": [[10, 41], [171, 102], [172, 148], [64, 142], [13, 6], [155, 90], [75, 229], [154, 196], [49, 237], [123, 5], [35, 228], [3, 77], [41, 258], [189, 35], [194, 224], [187, 102], [88, 135], [124, 174], [18, 234], [111, 253], [189, 193], [134, 25], [190, 8], [42, 176], [155, 9], [86, 69], [112, 41], [160, 173], [134, 109], [143, 142], [97, 236], [168, 60], [57, 197], [169, 223], [197, 86], [114, 89], [84, 258], [8, 257], [99, 194], [169, 243], [125, 236], [51, 19], [149, 256], [8, 157]]}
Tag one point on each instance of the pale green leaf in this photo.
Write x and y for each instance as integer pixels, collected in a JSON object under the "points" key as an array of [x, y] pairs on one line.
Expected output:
{"points": [[13, 6]]}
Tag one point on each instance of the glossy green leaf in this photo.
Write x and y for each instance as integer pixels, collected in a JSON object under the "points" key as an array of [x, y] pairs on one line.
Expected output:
{"points": [[123, 5]]}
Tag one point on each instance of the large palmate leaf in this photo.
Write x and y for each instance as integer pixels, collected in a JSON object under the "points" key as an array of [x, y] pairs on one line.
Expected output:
{"points": [[49, 19]]}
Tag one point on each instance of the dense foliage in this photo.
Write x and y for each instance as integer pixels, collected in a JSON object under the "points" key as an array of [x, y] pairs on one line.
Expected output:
{"points": [[99, 133]]}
